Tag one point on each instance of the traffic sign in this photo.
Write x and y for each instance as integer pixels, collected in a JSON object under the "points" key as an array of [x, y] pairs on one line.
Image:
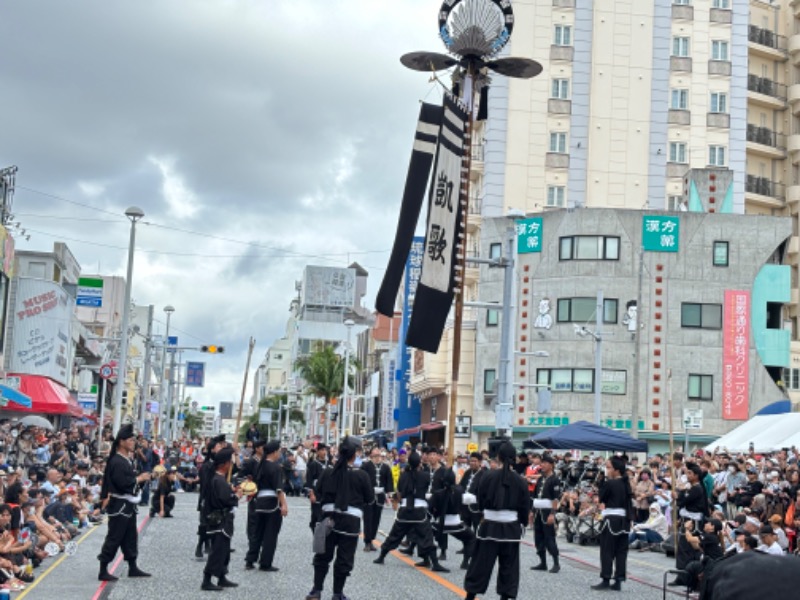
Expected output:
{"points": [[472, 447], [106, 371], [90, 292]]}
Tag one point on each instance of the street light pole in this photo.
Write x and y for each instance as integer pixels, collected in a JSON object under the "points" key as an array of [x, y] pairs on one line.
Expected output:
{"points": [[164, 429], [343, 413], [134, 214], [598, 358], [148, 352]]}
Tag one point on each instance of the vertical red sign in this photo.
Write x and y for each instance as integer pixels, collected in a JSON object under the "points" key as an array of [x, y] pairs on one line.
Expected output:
{"points": [[736, 355]]}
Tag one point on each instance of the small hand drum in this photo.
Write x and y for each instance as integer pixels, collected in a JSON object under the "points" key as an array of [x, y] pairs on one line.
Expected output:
{"points": [[52, 549]]}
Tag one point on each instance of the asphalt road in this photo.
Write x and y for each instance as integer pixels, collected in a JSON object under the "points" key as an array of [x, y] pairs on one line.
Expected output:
{"points": [[167, 551]]}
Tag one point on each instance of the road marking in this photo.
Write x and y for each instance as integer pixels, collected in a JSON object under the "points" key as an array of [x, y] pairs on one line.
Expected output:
{"points": [[53, 566], [428, 573], [102, 587]]}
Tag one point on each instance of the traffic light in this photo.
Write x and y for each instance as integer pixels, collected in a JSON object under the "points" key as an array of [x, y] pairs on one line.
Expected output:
{"points": [[213, 349], [124, 397]]}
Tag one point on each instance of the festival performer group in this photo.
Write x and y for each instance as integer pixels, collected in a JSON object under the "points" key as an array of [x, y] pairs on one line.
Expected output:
{"points": [[484, 501]]}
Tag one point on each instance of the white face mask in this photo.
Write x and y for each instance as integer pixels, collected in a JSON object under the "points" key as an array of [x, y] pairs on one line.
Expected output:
{"points": [[731, 470]]}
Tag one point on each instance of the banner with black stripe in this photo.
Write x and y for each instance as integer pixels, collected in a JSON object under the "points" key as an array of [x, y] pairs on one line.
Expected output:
{"points": [[430, 119], [436, 288]]}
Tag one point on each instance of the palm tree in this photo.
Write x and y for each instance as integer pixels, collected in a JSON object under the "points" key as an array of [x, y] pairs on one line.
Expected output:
{"points": [[323, 372]]}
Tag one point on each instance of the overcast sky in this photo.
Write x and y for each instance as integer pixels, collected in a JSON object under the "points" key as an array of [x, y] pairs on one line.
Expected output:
{"points": [[258, 136]]}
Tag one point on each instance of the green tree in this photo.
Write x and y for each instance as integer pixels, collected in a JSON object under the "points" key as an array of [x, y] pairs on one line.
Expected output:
{"points": [[323, 372], [276, 403]]}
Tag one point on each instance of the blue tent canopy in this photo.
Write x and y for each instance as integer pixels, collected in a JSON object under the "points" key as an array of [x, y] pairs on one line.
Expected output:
{"points": [[776, 408], [583, 435]]}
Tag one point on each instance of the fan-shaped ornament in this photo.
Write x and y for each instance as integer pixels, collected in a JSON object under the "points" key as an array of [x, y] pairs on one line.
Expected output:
{"points": [[474, 32]]}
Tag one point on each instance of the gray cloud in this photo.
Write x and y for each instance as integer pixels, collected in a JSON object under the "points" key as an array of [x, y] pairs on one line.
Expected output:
{"points": [[286, 127]]}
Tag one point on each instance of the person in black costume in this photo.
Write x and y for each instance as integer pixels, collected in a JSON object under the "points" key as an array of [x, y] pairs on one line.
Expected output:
{"points": [[546, 498], [709, 542], [692, 506], [505, 501], [313, 471], [219, 501], [164, 494], [270, 509], [249, 471], [445, 507], [616, 500], [119, 490], [344, 492], [469, 485], [380, 474], [412, 516], [205, 475]]}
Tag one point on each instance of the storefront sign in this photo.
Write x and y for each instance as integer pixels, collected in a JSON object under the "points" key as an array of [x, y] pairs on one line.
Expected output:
{"points": [[736, 355]]}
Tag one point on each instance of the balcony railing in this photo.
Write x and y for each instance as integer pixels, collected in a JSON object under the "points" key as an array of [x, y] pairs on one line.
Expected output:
{"points": [[767, 137], [765, 37], [475, 205], [764, 187], [765, 86]]}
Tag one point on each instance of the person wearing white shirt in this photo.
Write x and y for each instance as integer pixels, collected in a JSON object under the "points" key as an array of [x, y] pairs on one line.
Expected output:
{"points": [[769, 541]]}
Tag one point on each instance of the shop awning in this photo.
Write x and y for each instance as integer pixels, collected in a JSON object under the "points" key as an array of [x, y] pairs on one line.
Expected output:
{"points": [[47, 397], [9, 394], [424, 427]]}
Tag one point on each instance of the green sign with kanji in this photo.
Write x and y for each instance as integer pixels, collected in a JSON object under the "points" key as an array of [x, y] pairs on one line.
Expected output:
{"points": [[660, 233], [529, 235]]}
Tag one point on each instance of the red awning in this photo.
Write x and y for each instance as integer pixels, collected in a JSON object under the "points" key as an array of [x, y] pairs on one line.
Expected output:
{"points": [[47, 396]]}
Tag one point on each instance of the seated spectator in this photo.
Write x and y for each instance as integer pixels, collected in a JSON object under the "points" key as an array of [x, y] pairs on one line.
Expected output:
{"points": [[653, 531], [11, 551]]}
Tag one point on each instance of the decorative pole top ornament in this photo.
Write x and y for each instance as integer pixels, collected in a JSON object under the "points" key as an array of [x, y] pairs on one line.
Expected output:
{"points": [[474, 32]]}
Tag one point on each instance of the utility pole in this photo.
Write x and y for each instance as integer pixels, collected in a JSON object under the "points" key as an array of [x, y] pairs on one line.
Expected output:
{"points": [[637, 351], [598, 358], [144, 394], [170, 395], [505, 403]]}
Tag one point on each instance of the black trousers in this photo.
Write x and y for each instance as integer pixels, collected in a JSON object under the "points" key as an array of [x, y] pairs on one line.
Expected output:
{"points": [[466, 536], [471, 519], [252, 521], [316, 515], [264, 542], [121, 535], [419, 533], [614, 548], [544, 536], [372, 520], [169, 504], [486, 553], [344, 548], [219, 556]]}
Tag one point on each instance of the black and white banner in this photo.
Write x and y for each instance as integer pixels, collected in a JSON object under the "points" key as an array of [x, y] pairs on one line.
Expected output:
{"points": [[436, 288], [430, 120]]}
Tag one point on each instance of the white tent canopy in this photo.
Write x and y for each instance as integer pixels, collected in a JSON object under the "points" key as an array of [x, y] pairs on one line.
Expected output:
{"points": [[767, 433]]}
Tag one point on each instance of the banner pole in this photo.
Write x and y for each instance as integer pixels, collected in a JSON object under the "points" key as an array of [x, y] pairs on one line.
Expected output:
{"points": [[241, 403]]}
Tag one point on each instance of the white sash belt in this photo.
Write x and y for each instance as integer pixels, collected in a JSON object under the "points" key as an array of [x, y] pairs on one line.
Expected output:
{"points": [[128, 497], [468, 498], [351, 510], [501, 516], [452, 520], [694, 516], [418, 503], [379, 490], [267, 494], [614, 512], [542, 503]]}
